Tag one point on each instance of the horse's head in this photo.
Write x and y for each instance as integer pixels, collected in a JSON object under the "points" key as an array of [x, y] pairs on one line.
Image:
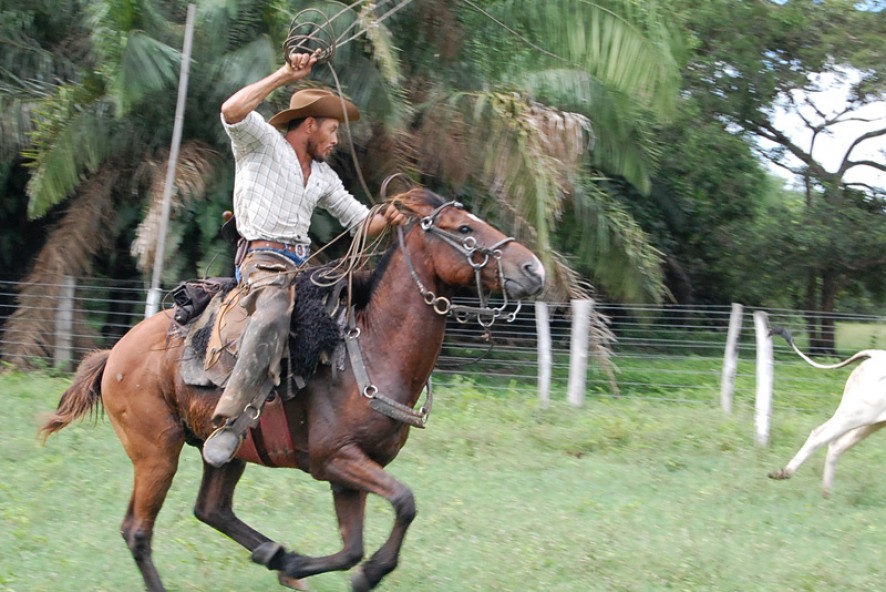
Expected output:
{"points": [[465, 250]]}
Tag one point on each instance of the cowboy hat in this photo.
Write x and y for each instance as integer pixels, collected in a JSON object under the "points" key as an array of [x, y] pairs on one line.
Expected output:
{"points": [[315, 102]]}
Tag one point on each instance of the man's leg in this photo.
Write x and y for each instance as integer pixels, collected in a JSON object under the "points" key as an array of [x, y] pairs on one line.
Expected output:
{"points": [[257, 369]]}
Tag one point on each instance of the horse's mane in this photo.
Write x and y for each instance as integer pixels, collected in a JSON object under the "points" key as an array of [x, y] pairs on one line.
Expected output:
{"points": [[409, 203]]}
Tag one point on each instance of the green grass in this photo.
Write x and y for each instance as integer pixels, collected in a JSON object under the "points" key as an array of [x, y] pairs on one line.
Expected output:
{"points": [[853, 336], [622, 495]]}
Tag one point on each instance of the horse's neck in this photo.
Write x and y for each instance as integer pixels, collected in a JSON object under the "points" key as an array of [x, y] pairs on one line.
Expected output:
{"points": [[399, 322]]}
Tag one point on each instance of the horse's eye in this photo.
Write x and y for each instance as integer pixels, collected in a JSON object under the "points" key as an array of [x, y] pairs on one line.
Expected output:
{"points": [[464, 229]]}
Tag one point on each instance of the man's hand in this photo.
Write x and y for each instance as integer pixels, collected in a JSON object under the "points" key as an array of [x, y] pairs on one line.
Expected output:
{"points": [[298, 65], [389, 215], [393, 215], [245, 100]]}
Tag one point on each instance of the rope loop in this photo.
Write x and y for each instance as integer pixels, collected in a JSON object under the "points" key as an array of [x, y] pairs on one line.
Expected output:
{"points": [[307, 35]]}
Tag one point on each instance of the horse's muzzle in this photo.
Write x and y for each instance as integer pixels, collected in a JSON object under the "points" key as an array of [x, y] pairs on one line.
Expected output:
{"points": [[526, 281]]}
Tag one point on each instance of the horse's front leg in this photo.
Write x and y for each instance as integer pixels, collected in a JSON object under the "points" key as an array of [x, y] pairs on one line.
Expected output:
{"points": [[350, 508], [355, 475], [215, 507]]}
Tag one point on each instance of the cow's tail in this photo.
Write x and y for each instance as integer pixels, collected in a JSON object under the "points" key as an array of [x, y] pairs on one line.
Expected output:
{"points": [[83, 396], [786, 333]]}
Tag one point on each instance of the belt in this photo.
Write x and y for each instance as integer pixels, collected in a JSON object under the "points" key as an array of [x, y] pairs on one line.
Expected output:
{"points": [[297, 249]]}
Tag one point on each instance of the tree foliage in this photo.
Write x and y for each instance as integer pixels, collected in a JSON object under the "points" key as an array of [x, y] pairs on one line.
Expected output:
{"points": [[746, 81]]}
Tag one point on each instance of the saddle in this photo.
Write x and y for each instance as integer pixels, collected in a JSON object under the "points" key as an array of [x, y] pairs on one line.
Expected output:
{"points": [[212, 335]]}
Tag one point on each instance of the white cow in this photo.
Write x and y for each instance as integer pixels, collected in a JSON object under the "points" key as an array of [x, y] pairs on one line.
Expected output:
{"points": [[862, 411]]}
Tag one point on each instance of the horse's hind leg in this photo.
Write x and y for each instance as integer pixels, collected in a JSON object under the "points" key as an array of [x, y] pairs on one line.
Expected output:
{"points": [[153, 477]]}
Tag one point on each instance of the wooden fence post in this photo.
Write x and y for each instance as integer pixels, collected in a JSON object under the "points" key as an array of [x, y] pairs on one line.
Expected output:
{"points": [[578, 350], [64, 324], [730, 359], [543, 330], [763, 405]]}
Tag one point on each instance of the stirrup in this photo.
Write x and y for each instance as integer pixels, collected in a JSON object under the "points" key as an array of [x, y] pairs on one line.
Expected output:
{"points": [[221, 446]]}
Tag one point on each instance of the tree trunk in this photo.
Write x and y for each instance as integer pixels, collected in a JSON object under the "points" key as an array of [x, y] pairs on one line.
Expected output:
{"points": [[810, 305], [828, 333]]}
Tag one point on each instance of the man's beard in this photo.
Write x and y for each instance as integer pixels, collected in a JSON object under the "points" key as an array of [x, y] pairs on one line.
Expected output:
{"points": [[314, 153]]}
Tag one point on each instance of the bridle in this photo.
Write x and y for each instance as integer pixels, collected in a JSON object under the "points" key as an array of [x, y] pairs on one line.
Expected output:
{"points": [[478, 257]]}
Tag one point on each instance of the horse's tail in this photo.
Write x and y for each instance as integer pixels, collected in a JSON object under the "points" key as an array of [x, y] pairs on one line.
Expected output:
{"points": [[790, 339], [82, 397]]}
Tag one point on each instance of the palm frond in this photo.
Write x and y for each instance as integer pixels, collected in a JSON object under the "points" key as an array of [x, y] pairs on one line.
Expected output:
{"points": [[196, 166], [621, 43], [383, 49], [537, 157], [70, 137], [621, 145], [614, 250], [146, 65], [15, 126], [245, 64]]}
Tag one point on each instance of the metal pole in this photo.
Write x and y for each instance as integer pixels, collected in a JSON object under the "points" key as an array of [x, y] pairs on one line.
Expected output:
{"points": [[155, 292]]}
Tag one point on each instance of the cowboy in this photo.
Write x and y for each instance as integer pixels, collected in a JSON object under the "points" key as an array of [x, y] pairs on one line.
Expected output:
{"points": [[280, 180]]}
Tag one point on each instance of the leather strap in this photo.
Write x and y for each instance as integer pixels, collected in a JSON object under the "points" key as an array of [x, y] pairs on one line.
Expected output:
{"points": [[384, 405]]}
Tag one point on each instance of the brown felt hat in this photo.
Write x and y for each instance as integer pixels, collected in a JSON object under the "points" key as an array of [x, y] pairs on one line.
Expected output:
{"points": [[315, 102]]}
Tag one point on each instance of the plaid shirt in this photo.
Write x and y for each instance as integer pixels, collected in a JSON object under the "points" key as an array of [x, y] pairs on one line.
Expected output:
{"points": [[271, 201]]}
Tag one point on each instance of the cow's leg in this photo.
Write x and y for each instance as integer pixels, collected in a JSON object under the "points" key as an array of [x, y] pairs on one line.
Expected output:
{"points": [[823, 434], [838, 447], [215, 507], [355, 475]]}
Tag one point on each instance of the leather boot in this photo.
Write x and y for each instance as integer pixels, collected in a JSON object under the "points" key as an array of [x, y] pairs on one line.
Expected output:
{"points": [[221, 446]]}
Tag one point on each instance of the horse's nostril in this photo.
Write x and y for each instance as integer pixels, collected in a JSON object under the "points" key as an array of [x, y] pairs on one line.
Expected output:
{"points": [[534, 271]]}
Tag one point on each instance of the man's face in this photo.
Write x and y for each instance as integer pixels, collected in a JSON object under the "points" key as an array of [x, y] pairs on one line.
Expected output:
{"points": [[324, 139]]}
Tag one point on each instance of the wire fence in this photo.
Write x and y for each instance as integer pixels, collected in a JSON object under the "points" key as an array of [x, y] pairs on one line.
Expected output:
{"points": [[666, 353]]}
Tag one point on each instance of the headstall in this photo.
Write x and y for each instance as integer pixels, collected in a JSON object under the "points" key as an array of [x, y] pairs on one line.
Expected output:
{"points": [[478, 257]]}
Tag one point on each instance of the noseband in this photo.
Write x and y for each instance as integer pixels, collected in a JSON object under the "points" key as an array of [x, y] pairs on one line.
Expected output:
{"points": [[478, 257]]}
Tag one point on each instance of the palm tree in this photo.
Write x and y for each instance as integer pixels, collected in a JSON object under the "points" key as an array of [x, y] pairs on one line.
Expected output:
{"points": [[571, 104], [99, 130], [520, 139]]}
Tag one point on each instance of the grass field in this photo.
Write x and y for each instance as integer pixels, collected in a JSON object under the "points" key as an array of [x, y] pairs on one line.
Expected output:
{"points": [[621, 495]]}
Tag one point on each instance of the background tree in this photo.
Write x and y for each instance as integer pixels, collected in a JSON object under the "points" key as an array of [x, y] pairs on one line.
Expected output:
{"points": [[741, 79]]}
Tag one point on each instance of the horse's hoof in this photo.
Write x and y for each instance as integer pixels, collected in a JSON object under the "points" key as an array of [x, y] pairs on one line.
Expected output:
{"points": [[289, 582], [359, 583], [779, 475]]}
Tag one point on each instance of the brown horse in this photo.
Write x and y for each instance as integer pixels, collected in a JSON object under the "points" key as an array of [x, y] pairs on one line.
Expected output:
{"points": [[338, 435]]}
